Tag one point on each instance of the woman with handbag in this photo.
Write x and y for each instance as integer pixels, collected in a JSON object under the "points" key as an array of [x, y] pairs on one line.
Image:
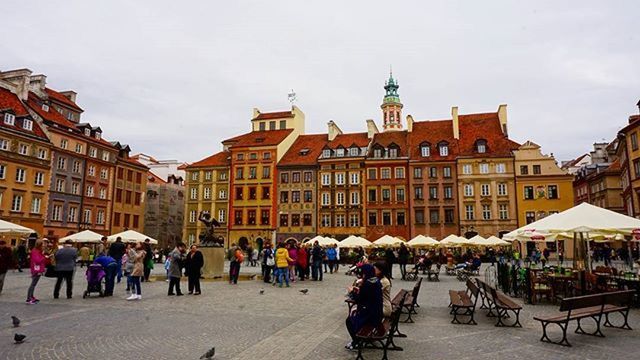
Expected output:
{"points": [[38, 267]]}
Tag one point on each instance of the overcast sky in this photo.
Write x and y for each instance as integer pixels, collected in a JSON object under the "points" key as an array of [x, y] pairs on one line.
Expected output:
{"points": [[173, 78]]}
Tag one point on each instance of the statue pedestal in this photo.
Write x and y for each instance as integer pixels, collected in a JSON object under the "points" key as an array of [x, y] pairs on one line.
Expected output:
{"points": [[213, 262]]}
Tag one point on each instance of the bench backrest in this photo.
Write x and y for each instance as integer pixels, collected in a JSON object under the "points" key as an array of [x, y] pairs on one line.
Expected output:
{"points": [[581, 302], [394, 318], [619, 298], [473, 289], [416, 290]]}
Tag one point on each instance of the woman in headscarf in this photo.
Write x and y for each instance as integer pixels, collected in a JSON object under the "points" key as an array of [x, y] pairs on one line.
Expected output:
{"points": [[381, 271], [368, 299]]}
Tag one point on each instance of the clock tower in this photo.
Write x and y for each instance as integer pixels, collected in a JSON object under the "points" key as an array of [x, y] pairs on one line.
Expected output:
{"points": [[391, 106]]}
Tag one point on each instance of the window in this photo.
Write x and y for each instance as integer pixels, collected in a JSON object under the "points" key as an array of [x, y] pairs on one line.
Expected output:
{"points": [[340, 178], [340, 198], [468, 189], [503, 211], [207, 175], [339, 152], [284, 178], [73, 214], [536, 170], [252, 172], [16, 203], [353, 151], [308, 196], [385, 173], [222, 194], [79, 148], [21, 175], [524, 170], [239, 173], [340, 220], [393, 153], [308, 176], [386, 218], [373, 218], [283, 124], [501, 168], [295, 196], [266, 155], [9, 119], [528, 193], [284, 197], [481, 146], [325, 220], [373, 195], [284, 219], [93, 152], [326, 153], [417, 173], [253, 193], [372, 174], [417, 193], [634, 141], [193, 193], [64, 143], [127, 197], [92, 170], [326, 199], [60, 185], [326, 179], [425, 151], [264, 217], [62, 163], [400, 195], [262, 126], [222, 215], [446, 172], [386, 195], [448, 216], [120, 173], [23, 149], [105, 156], [240, 156], [552, 191], [251, 217], [443, 149], [266, 172], [223, 175], [86, 216], [354, 220], [295, 219], [76, 167], [90, 190], [486, 212], [530, 216], [27, 124], [355, 198], [253, 156], [434, 216], [75, 188], [3, 171], [377, 153], [103, 193], [448, 192], [466, 169], [399, 173], [419, 216], [100, 217], [207, 193], [119, 195], [433, 192], [468, 212], [4, 144], [237, 217], [355, 178], [502, 189], [295, 177], [116, 219], [56, 213], [400, 218], [484, 168], [485, 190], [266, 193]]}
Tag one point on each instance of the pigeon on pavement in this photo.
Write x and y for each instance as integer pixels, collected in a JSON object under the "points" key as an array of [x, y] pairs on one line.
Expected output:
{"points": [[209, 354], [16, 321], [261, 291], [19, 338], [304, 291]]}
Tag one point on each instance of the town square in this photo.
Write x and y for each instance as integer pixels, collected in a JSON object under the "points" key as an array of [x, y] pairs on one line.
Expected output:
{"points": [[319, 180]]}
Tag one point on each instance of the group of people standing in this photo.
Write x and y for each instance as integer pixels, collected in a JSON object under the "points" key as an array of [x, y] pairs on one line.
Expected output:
{"points": [[291, 261]]}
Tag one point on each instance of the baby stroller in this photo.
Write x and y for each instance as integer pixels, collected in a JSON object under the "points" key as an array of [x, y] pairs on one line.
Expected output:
{"points": [[95, 274]]}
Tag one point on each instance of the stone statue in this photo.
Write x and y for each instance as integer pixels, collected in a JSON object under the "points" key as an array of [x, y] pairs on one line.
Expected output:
{"points": [[206, 237]]}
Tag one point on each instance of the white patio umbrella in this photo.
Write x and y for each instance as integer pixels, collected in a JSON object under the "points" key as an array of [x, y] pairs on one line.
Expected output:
{"points": [[478, 241], [422, 241], [9, 227], [86, 236], [131, 236], [453, 241], [354, 241], [496, 241], [388, 240]]}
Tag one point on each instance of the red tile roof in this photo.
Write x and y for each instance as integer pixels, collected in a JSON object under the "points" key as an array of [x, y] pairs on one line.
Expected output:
{"points": [[133, 162], [63, 99], [219, 159], [259, 138], [433, 133], [615, 166], [575, 161], [155, 178], [312, 143], [484, 126], [387, 138], [347, 140], [35, 103], [10, 101], [274, 115]]}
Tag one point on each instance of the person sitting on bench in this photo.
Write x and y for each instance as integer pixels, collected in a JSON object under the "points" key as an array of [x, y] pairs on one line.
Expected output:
{"points": [[380, 268], [368, 299]]}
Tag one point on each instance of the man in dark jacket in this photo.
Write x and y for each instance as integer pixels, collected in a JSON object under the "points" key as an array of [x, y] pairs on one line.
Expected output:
{"points": [[316, 261], [148, 259], [116, 251], [21, 254], [65, 264], [390, 258], [193, 266], [6, 261]]}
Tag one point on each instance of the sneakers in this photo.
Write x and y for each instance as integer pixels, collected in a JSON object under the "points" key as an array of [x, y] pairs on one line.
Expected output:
{"points": [[32, 301], [132, 297]]}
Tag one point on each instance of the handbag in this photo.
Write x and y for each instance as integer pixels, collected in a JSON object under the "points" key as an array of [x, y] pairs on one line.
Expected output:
{"points": [[271, 261], [50, 272]]}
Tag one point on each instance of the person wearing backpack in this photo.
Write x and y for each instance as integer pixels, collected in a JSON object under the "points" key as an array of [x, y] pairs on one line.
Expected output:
{"points": [[234, 268], [268, 262]]}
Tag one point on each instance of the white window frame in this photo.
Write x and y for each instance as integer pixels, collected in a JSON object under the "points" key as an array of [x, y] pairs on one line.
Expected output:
{"points": [[103, 193], [222, 215], [467, 169], [16, 203], [501, 168], [443, 150], [23, 149], [484, 168], [42, 154], [485, 189], [60, 185], [469, 212], [27, 124], [207, 193], [340, 198], [399, 173], [326, 178], [340, 178], [486, 212], [355, 178], [326, 199], [502, 189], [425, 151], [468, 190], [21, 175], [56, 213], [4, 144], [193, 193], [38, 180], [9, 119], [354, 198]]}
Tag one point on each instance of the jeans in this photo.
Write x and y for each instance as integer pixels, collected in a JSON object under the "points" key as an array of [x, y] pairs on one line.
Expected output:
{"points": [[266, 273], [129, 282], [283, 272], [67, 276], [119, 268], [316, 270], [135, 285], [301, 272], [174, 282], [32, 287], [403, 270], [194, 282], [234, 272], [110, 273]]}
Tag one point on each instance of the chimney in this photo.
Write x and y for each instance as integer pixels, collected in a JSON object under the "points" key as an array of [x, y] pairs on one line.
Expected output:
{"points": [[502, 115], [20, 78], [70, 94], [333, 130], [409, 123], [37, 83], [371, 128], [256, 112], [456, 123]]}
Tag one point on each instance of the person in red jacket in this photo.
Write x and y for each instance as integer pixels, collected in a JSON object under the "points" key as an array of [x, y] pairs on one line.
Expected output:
{"points": [[302, 263], [38, 267]]}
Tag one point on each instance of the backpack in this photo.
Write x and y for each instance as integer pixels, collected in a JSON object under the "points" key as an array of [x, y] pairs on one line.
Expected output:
{"points": [[239, 256]]}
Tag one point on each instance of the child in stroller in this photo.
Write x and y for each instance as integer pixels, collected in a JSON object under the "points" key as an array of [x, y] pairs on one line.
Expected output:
{"points": [[95, 274]]}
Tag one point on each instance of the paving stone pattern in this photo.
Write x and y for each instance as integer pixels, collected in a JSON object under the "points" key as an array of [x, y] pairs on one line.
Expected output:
{"points": [[281, 324]]}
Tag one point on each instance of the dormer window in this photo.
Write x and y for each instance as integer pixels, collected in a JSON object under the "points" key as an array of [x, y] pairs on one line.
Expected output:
{"points": [[481, 146], [87, 132], [9, 119], [425, 150], [377, 153], [443, 149], [304, 152], [69, 116], [27, 124], [340, 152], [353, 151], [98, 135], [45, 107], [326, 153], [393, 152]]}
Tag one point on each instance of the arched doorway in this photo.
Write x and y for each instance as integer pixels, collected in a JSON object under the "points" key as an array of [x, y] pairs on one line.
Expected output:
{"points": [[259, 244], [243, 242]]}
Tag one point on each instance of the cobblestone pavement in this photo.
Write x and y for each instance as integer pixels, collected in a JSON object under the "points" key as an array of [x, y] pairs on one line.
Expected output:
{"points": [[281, 324]]}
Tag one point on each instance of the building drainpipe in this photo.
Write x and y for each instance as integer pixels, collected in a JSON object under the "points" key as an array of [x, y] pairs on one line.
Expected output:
{"points": [[82, 194]]}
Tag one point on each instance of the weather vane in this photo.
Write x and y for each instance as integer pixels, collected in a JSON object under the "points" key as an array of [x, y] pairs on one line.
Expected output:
{"points": [[292, 96]]}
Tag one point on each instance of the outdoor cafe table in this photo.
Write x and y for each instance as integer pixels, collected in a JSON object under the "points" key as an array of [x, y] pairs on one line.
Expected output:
{"points": [[631, 283], [560, 284]]}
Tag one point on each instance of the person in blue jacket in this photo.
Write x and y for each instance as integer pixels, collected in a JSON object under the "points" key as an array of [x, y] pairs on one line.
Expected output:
{"points": [[332, 256], [368, 299], [110, 272]]}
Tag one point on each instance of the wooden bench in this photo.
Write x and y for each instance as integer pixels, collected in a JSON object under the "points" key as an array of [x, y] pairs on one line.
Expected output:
{"points": [[501, 304], [588, 306], [433, 275], [382, 334], [463, 303], [411, 302], [412, 275], [450, 270]]}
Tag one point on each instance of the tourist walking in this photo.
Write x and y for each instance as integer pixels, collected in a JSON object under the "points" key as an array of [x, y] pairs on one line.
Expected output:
{"points": [[268, 262], [84, 253], [293, 255], [116, 251], [65, 265], [38, 265], [110, 272], [385, 283], [139, 254], [316, 261], [21, 254], [331, 258], [175, 269], [302, 263], [129, 259], [368, 308], [403, 259], [193, 269], [236, 257], [282, 264], [390, 258], [6, 261], [148, 259]]}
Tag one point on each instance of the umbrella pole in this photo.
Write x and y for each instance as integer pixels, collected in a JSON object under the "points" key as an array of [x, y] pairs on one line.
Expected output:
{"points": [[557, 252], [588, 256], [575, 250]]}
